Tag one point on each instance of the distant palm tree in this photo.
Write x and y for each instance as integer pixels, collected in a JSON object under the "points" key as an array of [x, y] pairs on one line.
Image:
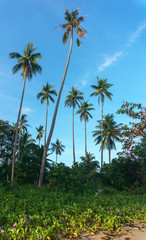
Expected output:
{"points": [[73, 24], [57, 147], [72, 100], [89, 157], [40, 133], [22, 128], [46, 95], [84, 111], [111, 133], [101, 92], [25, 140], [29, 68]]}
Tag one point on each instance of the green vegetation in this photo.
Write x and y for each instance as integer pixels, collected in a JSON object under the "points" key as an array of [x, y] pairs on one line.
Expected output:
{"points": [[32, 213]]}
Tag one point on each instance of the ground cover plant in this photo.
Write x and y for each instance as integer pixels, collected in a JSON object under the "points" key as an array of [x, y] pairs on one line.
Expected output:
{"points": [[34, 213]]}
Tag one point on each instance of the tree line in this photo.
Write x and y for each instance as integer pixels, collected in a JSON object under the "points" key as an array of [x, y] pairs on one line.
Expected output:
{"points": [[107, 131]]}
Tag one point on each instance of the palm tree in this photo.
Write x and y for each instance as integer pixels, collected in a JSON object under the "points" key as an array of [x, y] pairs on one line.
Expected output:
{"points": [[40, 133], [101, 90], [72, 100], [25, 140], [84, 111], [29, 68], [46, 95], [22, 127], [72, 24], [111, 133], [57, 147]]}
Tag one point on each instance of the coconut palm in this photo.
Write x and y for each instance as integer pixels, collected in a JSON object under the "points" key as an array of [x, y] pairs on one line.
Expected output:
{"points": [[46, 95], [101, 90], [29, 67], [40, 133], [84, 111], [22, 128], [72, 100], [25, 140], [73, 23], [57, 147], [111, 133]]}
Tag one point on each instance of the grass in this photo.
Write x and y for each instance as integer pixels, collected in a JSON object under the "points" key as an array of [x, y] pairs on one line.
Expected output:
{"points": [[34, 213]]}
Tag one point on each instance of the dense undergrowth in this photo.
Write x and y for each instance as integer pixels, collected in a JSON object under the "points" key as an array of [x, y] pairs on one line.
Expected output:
{"points": [[34, 213]]}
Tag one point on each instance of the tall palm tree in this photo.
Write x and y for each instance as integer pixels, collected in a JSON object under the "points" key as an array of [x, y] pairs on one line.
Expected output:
{"points": [[101, 90], [72, 100], [29, 67], [22, 128], [57, 147], [84, 111], [73, 23], [46, 95], [111, 133], [40, 133]]}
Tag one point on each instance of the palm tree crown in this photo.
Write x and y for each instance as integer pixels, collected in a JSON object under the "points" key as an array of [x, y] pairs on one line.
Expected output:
{"points": [[73, 23], [57, 147], [74, 98], [40, 133], [46, 93], [27, 62], [84, 110], [111, 133]]}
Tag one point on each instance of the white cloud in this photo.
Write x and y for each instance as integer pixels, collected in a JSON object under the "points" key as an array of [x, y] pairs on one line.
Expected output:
{"points": [[3, 74], [109, 60], [27, 110], [84, 80], [137, 33]]}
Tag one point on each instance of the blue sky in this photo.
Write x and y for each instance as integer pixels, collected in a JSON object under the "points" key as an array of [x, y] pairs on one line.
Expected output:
{"points": [[114, 48]]}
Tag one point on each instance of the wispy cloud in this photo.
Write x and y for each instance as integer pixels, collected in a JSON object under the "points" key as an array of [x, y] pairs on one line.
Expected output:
{"points": [[109, 60], [27, 110], [85, 79], [137, 33], [3, 74]]}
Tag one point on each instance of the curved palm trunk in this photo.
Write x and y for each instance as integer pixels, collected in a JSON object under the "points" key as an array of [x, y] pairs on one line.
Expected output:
{"points": [[54, 116], [102, 132], [85, 142], [16, 134], [73, 136], [56, 157], [46, 122]]}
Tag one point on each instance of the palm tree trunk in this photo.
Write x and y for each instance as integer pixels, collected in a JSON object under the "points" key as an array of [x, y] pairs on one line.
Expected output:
{"points": [[85, 142], [109, 154], [56, 158], [73, 136], [19, 144], [102, 132], [54, 116], [16, 134], [46, 122]]}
